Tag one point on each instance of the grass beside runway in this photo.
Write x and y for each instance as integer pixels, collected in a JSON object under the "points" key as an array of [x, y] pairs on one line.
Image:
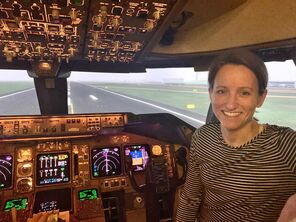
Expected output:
{"points": [[279, 108], [279, 111], [182, 99], [11, 87]]}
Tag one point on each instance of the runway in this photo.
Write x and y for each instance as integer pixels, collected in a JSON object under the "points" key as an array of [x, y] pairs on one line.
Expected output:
{"points": [[87, 99]]}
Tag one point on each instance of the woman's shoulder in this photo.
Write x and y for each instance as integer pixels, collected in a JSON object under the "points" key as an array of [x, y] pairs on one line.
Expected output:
{"points": [[281, 130], [207, 129]]}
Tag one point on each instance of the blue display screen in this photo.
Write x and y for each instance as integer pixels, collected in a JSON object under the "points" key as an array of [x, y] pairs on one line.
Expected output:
{"points": [[139, 154]]}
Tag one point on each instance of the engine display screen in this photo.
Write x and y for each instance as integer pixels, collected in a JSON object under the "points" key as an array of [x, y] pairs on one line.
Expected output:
{"points": [[106, 161], [19, 204], [88, 194], [6, 163], [49, 200], [139, 154], [53, 168]]}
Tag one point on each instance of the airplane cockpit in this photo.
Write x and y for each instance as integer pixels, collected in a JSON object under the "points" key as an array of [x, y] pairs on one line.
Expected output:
{"points": [[114, 166], [121, 167]]}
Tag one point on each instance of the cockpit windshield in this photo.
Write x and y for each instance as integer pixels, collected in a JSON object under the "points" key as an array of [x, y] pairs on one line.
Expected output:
{"points": [[178, 91]]}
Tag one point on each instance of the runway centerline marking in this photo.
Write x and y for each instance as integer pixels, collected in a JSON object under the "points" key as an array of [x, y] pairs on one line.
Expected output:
{"points": [[93, 97], [70, 106]]}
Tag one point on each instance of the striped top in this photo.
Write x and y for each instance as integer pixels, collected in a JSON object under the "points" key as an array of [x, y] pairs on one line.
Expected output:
{"points": [[249, 183]]}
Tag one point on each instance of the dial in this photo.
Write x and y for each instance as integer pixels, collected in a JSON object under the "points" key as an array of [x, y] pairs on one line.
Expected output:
{"points": [[156, 150], [24, 169], [24, 185]]}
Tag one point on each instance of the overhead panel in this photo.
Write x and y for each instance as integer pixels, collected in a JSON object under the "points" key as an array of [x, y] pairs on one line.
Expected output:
{"points": [[114, 31], [43, 30], [119, 30]]}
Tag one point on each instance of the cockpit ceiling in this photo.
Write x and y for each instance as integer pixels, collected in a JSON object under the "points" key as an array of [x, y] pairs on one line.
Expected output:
{"points": [[101, 32], [216, 25], [129, 36]]}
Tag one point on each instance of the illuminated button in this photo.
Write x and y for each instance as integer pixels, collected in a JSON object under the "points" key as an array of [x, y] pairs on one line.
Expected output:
{"points": [[74, 39], [143, 30], [106, 184], [142, 13], [114, 183], [117, 10], [130, 11], [109, 28], [68, 29], [101, 51], [25, 130]]}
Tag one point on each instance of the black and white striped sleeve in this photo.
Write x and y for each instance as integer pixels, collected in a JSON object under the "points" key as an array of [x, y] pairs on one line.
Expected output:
{"points": [[191, 194]]}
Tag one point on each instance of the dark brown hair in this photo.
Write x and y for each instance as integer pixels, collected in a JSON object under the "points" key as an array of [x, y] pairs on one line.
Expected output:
{"points": [[240, 57]]}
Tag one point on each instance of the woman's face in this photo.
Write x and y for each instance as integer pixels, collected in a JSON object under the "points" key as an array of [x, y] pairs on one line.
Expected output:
{"points": [[235, 96]]}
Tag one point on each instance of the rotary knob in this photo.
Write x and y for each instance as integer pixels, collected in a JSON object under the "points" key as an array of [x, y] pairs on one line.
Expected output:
{"points": [[24, 185], [156, 150], [24, 169]]}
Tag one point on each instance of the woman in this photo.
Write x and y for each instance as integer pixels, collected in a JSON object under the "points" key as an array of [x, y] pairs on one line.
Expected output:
{"points": [[239, 169]]}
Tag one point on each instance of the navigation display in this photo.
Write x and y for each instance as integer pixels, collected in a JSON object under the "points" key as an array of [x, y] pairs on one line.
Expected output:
{"points": [[139, 154], [53, 168], [106, 161], [19, 204], [48, 200], [88, 194], [6, 163]]}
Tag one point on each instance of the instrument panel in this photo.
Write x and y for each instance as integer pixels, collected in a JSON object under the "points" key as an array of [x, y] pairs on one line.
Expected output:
{"points": [[80, 171]]}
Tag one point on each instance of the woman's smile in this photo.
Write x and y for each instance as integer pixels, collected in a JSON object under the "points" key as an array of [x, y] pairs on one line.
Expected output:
{"points": [[231, 114]]}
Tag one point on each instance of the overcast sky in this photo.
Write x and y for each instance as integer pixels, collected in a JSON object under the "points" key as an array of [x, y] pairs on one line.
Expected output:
{"points": [[278, 71]]}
